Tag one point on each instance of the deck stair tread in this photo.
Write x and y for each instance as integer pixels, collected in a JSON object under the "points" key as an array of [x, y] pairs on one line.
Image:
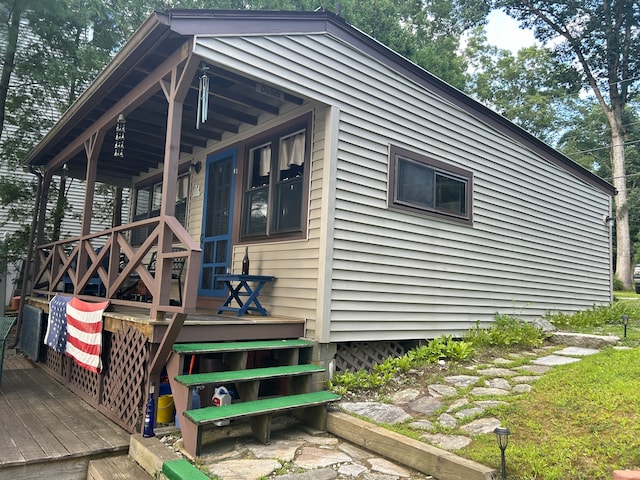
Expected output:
{"points": [[222, 347], [116, 468], [182, 470], [198, 379], [262, 406]]}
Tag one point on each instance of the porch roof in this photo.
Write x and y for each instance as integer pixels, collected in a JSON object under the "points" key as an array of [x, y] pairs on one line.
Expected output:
{"points": [[234, 101]]}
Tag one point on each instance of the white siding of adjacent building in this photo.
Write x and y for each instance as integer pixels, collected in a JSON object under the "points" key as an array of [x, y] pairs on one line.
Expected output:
{"points": [[75, 188], [537, 243]]}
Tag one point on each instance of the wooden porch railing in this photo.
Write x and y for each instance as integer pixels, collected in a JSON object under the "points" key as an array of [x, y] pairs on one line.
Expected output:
{"points": [[104, 265]]}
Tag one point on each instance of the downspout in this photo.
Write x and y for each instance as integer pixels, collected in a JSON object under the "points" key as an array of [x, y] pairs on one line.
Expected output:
{"points": [[27, 264]]}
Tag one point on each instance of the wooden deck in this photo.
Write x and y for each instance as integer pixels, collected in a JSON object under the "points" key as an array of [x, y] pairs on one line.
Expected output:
{"points": [[45, 430], [203, 325]]}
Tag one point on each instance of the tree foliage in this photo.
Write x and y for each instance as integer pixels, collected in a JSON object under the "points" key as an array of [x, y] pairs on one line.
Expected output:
{"points": [[601, 39], [531, 87]]}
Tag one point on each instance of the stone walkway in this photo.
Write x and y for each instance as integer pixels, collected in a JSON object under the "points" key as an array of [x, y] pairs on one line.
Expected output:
{"points": [[300, 453], [460, 402]]}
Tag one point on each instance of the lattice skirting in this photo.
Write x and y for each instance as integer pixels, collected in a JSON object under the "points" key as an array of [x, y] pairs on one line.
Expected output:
{"points": [[118, 391], [353, 356]]}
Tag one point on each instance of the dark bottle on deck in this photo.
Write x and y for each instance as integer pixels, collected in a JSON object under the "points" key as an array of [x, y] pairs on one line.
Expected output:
{"points": [[245, 262]]}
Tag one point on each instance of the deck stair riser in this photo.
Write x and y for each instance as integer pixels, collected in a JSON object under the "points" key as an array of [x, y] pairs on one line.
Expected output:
{"points": [[292, 366]]}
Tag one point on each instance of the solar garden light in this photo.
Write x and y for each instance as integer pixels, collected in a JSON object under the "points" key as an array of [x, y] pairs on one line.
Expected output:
{"points": [[502, 437], [625, 322]]}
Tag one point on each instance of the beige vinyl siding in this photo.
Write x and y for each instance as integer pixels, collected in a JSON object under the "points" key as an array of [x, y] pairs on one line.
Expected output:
{"points": [[537, 242], [293, 263]]}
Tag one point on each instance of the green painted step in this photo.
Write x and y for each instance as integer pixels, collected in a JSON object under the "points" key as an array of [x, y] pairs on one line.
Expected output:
{"points": [[198, 379], [194, 348], [182, 470], [206, 415]]}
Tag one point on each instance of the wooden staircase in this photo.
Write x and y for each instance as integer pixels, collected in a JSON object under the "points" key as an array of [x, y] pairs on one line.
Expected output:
{"points": [[267, 377]]}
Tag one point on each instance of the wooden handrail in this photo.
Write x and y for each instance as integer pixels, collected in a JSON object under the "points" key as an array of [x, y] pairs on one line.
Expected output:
{"points": [[111, 260]]}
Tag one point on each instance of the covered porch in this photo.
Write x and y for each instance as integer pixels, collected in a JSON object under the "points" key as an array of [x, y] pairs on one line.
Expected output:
{"points": [[136, 131]]}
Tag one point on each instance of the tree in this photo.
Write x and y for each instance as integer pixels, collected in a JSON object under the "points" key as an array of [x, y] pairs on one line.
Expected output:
{"points": [[601, 39], [587, 141], [531, 88], [51, 50]]}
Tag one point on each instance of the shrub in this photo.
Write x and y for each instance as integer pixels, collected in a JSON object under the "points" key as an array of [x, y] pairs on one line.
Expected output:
{"points": [[595, 316], [437, 349], [506, 331]]}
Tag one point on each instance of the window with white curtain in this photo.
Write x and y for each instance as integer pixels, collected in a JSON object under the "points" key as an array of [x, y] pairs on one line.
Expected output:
{"points": [[274, 184]]}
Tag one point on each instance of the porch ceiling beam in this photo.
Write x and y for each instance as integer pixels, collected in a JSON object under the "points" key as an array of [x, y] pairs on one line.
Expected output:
{"points": [[252, 84], [225, 92], [137, 96]]}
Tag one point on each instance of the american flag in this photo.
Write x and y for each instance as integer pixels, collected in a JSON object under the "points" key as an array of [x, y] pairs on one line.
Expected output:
{"points": [[56, 336], [84, 333]]}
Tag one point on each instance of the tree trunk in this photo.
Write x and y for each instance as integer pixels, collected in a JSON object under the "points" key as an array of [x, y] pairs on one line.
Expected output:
{"points": [[623, 236], [8, 62]]}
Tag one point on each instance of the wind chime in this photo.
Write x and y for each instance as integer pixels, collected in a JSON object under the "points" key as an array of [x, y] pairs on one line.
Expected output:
{"points": [[203, 97], [118, 150]]}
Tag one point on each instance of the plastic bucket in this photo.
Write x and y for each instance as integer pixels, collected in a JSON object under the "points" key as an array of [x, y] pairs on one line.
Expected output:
{"points": [[165, 409]]}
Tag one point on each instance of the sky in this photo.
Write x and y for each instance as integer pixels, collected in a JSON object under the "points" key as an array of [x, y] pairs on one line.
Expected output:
{"points": [[503, 32]]}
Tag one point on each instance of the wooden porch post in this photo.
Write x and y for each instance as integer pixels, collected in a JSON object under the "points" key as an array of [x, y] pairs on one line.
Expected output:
{"points": [[92, 149], [175, 87], [42, 206]]}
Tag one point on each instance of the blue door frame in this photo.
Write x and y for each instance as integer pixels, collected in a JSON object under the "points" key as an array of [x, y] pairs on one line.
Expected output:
{"points": [[217, 222]]}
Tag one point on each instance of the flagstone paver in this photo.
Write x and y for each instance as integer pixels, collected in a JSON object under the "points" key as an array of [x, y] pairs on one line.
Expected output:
{"points": [[406, 395], [577, 351], [482, 425], [554, 360], [425, 405], [537, 369], [379, 412], [463, 381], [525, 378], [486, 391], [469, 412], [498, 383], [461, 402], [447, 442], [496, 372], [442, 390], [521, 388], [447, 420]]}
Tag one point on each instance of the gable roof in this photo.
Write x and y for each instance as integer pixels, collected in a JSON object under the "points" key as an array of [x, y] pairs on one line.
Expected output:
{"points": [[163, 36]]}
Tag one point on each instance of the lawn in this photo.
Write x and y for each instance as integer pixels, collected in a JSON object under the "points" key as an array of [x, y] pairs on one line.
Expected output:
{"points": [[580, 421]]}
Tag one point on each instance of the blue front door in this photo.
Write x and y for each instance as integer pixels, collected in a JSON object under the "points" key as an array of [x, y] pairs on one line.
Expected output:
{"points": [[217, 220]]}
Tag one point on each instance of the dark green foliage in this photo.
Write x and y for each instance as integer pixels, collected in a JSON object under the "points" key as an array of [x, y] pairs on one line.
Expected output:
{"points": [[596, 316], [506, 331]]}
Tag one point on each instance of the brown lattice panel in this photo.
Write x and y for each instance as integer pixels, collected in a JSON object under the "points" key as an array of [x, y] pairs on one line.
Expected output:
{"points": [[55, 361], [83, 381], [354, 356], [124, 373]]}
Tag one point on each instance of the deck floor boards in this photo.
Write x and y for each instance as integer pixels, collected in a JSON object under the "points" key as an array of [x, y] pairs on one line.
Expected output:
{"points": [[41, 421]]}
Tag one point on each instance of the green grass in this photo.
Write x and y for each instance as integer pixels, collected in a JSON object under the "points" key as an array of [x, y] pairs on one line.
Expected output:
{"points": [[580, 421]]}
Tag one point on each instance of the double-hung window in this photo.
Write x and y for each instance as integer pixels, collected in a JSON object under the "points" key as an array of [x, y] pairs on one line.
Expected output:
{"points": [[276, 172], [424, 185]]}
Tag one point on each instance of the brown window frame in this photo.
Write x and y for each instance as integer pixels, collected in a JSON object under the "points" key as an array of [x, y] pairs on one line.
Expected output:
{"points": [[441, 170], [274, 185]]}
